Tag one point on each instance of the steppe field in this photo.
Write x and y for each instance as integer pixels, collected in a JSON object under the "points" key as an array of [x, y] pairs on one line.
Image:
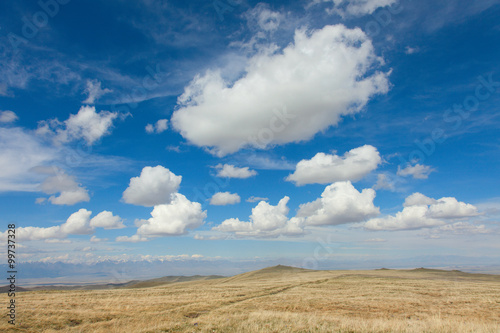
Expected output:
{"points": [[275, 299]]}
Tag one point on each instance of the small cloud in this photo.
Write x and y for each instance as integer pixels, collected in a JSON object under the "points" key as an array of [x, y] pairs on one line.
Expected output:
{"points": [[3, 90], [354, 8], [376, 240], [263, 18], [40, 201], [417, 171], [131, 239], [177, 149], [411, 50], [255, 199], [160, 126], [7, 116], [94, 239], [94, 91], [463, 228], [57, 241], [224, 198], [383, 183], [230, 171], [217, 237]]}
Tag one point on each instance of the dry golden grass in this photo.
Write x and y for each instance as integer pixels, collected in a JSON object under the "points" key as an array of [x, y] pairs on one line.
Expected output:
{"points": [[276, 299]]}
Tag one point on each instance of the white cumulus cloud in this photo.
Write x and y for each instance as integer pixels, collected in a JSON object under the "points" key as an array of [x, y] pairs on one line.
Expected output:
{"points": [[230, 171], [224, 198], [287, 96], [78, 223], [154, 186], [421, 211], [173, 219], [87, 124], [107, 220], [451, 208], [340, 203], [324, 168], [266, 221]]}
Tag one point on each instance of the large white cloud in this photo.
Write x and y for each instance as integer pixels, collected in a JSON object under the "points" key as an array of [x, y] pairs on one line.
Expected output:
{"points": [[325, 168], [285, 96], [230, 171], [424, 212], [266, 221], [154, 186], [340, 203], [87, 124], [174, 218], [355, 7], [224, 198], [69, 191]]}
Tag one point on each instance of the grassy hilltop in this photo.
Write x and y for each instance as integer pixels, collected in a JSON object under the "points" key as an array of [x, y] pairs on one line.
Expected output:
{"points": [[274, 299]]}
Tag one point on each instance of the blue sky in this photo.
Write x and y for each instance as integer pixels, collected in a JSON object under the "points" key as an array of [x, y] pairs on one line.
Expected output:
{"points": [[312, 133]]}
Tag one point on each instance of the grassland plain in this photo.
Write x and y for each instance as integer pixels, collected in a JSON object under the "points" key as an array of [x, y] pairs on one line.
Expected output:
{"points": [[275, 299]]}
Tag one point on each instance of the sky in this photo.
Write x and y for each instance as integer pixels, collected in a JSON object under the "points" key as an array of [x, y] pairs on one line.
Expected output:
{"points": [[218, 136]]}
